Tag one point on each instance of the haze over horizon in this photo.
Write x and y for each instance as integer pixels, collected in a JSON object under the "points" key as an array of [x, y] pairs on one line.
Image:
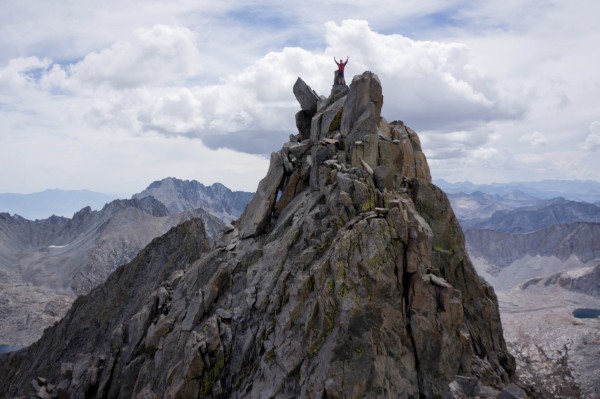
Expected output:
{"points": [[111, 101]]}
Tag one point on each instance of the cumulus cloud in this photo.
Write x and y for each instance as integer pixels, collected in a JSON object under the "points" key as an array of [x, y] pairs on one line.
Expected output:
{"points": [[162, 54], [176, 74], [452, 144], [592, 141], [21, 72], [431, 84], [139, 86]]}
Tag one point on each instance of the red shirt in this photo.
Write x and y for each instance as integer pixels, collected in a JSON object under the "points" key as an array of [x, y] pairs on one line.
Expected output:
{"points": [[341, 65]]}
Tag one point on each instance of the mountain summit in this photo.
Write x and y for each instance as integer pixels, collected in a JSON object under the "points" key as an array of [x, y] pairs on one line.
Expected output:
{"points": [[346, 276], [180, 195]]}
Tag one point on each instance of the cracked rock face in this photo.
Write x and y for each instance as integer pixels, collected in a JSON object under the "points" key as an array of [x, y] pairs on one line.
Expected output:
{"points": [[346, 276]]}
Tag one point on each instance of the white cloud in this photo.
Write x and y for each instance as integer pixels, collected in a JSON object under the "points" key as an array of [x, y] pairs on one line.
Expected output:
{"points": [[534, 139], [162, 54], [592, 141], [19, 73], [431, 85], [443, 145], [428, 84], [488, 79]]}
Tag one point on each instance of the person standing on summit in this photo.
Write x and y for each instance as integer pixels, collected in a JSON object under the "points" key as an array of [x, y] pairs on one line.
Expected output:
{"points": [[341, 65]]}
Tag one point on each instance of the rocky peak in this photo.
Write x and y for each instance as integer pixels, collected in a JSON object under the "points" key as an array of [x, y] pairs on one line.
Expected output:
{"points": [[148, 205], [180, 195], [350, 150], [346, 276]]}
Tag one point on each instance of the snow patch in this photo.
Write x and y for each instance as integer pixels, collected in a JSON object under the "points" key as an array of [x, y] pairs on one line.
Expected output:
{"points": [[578, 273]]}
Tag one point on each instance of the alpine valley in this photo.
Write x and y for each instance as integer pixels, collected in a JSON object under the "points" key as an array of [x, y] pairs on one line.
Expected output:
{"points": [[542, 256]]}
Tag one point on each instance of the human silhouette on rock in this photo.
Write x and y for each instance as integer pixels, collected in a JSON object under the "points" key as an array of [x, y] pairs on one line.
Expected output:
{"points": [[340, 72]]}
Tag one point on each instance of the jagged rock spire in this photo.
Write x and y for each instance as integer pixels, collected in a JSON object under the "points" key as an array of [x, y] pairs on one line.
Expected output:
{"points": [[348, 133], [346, 276]]}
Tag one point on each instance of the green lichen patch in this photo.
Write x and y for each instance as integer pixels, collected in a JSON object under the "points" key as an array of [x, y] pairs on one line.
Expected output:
{"points": [[337, 121]]}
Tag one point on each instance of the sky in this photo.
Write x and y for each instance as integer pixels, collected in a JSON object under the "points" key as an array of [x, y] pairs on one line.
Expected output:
{"points": [[110, 96]]}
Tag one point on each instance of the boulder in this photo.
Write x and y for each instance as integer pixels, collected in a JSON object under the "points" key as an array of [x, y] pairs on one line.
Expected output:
{"points": [[362, 108], [306, 96], [332, 117], [512, 391], [337, 91], [303, 119]]}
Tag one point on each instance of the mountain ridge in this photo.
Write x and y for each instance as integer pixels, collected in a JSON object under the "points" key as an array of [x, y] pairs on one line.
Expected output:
{"points": [[179, 195], [577, 190], [45, 264], [557, 211]]}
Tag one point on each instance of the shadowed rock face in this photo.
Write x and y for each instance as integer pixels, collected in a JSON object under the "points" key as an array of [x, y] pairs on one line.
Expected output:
{"points": [[346, 276]]}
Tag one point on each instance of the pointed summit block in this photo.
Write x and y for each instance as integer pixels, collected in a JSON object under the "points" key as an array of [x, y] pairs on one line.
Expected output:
{"points": [[362, 109], [306, 97]]}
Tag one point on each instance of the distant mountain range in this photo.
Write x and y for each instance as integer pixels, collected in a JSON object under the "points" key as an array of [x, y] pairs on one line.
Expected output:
{"points": [[45, 263], [576, 190], [537, 245], [561, 241], [479, 205], [544, 214], [52, 202], [550, 228], [469, 200]]}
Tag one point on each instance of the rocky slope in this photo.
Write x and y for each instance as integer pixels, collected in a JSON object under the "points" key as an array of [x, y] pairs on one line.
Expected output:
{"points": [[180, 195], [555, 351], [567, 353], [45, 264], [346, 276]]}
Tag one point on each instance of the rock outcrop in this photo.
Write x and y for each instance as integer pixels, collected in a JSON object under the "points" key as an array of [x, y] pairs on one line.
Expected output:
{"points": [[584, 280], [346, 276]]}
